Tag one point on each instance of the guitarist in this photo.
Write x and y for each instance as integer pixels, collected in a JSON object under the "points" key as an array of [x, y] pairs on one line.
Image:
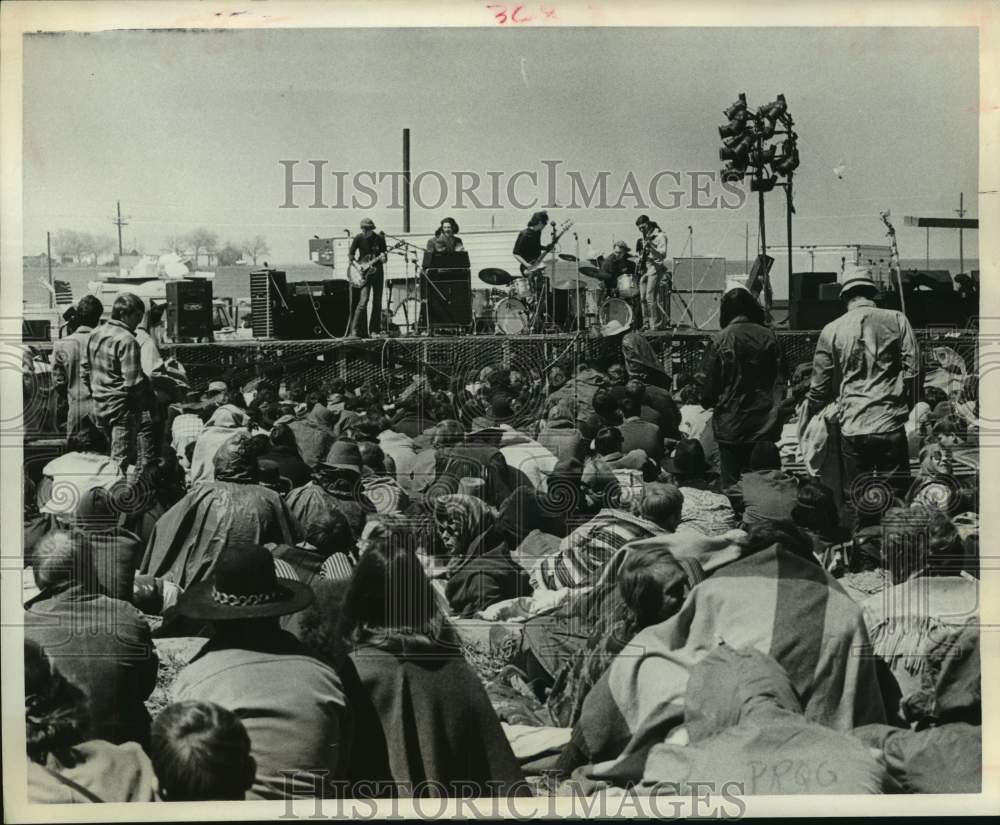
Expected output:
{"points": [[367, 246], [528, 249], [653, 269]]}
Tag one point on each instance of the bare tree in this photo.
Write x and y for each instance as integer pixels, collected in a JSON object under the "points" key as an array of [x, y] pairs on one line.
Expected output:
{"points": [[177, 244], [202, 240], [71, 242], [101, 245], [256, 247]]}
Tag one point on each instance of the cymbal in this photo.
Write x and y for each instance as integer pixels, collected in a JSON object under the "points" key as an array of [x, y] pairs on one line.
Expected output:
{"points": [[565, 256], [582, 279], [495, 277]]}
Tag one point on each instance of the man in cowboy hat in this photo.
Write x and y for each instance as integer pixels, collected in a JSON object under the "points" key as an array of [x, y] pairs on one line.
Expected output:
{"points": [[291, 704], [867, 361]]}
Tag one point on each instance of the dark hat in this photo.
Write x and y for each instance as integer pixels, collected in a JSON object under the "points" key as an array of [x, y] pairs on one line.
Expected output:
{"points": [[244, 585], [270, 476], [344, 455], [765, 455], [769, 495], [688, 459]]}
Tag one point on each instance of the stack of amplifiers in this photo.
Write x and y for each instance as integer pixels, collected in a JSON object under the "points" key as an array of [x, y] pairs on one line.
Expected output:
{"points": [[446, 291], [813, 300]]}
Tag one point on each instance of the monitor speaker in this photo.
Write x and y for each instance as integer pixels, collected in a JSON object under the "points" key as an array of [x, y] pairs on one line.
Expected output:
{"points": [[189, 310]]}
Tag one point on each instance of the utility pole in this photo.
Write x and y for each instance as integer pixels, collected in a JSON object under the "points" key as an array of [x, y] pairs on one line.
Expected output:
{"points": [[48, 260], [120, 223], [961, 214]]}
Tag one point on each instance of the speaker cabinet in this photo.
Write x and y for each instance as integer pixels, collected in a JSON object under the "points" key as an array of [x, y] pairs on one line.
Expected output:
{"points": [[268, 288], [317, 316], [805, 286], [699, 310], [813, 315], [447, 289], [189, 310]]}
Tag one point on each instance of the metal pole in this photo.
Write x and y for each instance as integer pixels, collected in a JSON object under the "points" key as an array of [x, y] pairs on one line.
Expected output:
{"points": [[746, 250], [961, 250], [48, 260], [788, 216], [406, 181], [927, 254]]}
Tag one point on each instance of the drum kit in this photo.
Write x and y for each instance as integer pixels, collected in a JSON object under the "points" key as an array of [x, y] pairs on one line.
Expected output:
{"points": [[510, 305]]}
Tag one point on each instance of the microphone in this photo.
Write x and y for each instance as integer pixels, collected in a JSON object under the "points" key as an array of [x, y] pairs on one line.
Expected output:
{"points": [[347, 232]]}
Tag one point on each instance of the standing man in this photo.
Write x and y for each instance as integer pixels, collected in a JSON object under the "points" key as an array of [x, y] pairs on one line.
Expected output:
{"points": [[867, 360], [654, 271], [369, 246], [70, 367], [528, 249], [119, 387]]}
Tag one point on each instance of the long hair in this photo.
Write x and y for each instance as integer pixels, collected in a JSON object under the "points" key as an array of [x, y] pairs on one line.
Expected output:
{"points": [[389, 596], [55, 709], [738, 302]]}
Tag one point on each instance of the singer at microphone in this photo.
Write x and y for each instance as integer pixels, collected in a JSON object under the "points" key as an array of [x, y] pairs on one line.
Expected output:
{"points": [[368, 252]]}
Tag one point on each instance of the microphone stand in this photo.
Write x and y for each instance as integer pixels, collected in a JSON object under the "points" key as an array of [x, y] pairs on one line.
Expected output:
{"points": [[576, 282]]}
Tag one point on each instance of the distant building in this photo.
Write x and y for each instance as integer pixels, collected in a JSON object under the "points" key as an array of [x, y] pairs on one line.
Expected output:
{"points": [[38, 260]]}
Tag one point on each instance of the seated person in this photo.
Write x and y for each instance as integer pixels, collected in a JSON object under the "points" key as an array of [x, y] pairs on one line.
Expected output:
{"points": [[201, 752], [65, 763]]}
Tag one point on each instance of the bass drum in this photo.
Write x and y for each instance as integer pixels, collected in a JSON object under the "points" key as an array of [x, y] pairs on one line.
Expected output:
{"points": [[510, 316], [615, 309]]}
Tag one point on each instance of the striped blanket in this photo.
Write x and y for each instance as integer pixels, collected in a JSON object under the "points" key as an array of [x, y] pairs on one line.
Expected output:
{"points": [[776, 601], [583, 554]]}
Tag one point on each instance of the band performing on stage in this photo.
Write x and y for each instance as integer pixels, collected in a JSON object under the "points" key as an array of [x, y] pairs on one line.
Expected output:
{"points": [[551, 290]]}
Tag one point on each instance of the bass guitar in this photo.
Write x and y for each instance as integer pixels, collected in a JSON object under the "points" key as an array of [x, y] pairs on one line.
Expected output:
{"points": [[359, 271], [539, 263]]}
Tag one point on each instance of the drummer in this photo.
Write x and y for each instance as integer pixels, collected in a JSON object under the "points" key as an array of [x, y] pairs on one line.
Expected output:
{"points": [[617, 263], [446, 238]]}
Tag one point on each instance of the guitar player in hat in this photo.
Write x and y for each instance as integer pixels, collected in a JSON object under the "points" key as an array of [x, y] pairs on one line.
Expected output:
{"points": [[368, 246]]}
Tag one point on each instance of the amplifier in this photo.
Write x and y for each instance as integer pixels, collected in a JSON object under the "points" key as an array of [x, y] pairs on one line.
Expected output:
{"points": [[312, 316], [828, 292], [699, 309], [807, 285], [268, 288], [447, 289], [813, 314], [189, 310]]}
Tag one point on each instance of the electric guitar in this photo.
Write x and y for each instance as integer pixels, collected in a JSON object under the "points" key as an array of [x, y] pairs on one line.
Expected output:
{"points": [[539, 263], [358, 272]]}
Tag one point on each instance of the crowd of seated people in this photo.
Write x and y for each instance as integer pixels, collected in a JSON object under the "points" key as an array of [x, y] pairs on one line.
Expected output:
{"points": [[677, 585]]}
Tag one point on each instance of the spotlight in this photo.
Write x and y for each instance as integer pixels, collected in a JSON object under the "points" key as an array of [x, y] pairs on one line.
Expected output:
{"points": [[773, 110], [737, 110]]}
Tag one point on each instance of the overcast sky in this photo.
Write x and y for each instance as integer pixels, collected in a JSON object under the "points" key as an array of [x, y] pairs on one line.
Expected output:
{"points": [[187, 129]]}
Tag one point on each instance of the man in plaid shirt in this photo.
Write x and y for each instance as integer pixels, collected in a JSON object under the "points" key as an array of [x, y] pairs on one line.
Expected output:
{"points": [[120, 389]]}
